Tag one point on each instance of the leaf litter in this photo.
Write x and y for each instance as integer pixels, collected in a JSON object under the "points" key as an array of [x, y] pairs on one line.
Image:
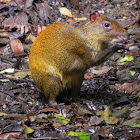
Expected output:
{"points": [[110, 94]]}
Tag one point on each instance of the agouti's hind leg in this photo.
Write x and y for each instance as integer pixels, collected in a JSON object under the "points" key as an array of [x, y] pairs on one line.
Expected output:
{"points": [[52, 87]]}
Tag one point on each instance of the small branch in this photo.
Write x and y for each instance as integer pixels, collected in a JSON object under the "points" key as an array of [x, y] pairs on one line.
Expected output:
{"points": [[16, 80], [17, 4], [7, 59], [19, 55]]}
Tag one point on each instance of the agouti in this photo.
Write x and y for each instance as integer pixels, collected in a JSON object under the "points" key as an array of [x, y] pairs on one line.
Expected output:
{"points": [[62, 53]]}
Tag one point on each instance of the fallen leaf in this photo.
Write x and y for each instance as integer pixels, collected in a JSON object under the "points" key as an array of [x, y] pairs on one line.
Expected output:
{"points": [[50, 110], [68, 108], [61, 119], [81, 135], [126, 58], [4, 35], [20, 18], [109, 119], [88, 76], [9, 135], [44, 11], [16, 46], [64, 11], [129, 87], [19, 74], [94, 120], [12, 128], [106, 132], [28, 3], [2, 114], [129, 122], [10, 70], [81, 111], [15, 116], [27, 130], [132, 73], [104, 70], [135, 125]]}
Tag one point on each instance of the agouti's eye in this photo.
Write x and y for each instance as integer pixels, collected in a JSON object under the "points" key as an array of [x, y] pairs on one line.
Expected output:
{"points": [[107, 24]]}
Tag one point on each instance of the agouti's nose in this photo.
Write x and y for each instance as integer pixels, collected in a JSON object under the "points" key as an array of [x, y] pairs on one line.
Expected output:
{"points": [[125, 37]]}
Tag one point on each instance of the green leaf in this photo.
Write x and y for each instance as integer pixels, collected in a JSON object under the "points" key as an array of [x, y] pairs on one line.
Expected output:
{"points": [[126, 58], [81, 135], [132, 73], [61, 119], [135, 125], [27, 130]]}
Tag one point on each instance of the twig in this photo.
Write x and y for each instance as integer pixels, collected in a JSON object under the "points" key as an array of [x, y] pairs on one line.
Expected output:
{"points": [[48, 138], [17, 4], [131, 23], [19, 55], [128, 65], [14, 79], [8, 59]]}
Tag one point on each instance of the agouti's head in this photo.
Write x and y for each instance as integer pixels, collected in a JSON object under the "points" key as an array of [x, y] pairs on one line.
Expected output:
{"points": [[102, 30]]}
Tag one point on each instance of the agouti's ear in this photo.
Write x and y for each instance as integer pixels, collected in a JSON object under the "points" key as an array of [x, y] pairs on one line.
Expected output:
{"points": [[93, 16]]}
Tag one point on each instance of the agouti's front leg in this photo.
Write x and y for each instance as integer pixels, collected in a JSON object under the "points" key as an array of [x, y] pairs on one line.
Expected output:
{"points": [[76, 89]]}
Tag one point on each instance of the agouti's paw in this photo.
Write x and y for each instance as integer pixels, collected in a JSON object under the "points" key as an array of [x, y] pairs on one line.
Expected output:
{"points": [[53, 103]]}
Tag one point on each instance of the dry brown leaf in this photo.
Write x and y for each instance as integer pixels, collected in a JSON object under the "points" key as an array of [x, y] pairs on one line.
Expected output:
{"points": [[104, 70], [94, 120], [44, 11], [16, 46], [18, 19], [68, 108], [9, 135], [129, 87], [50, 110], [80, 110], [87, 76], [28, 3]]}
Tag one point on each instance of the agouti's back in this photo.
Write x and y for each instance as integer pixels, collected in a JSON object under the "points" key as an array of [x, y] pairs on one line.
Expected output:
{"points": [[62, 53]]}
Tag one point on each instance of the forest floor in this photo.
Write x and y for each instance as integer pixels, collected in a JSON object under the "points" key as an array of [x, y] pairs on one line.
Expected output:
{"points": [[109, 103]]}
